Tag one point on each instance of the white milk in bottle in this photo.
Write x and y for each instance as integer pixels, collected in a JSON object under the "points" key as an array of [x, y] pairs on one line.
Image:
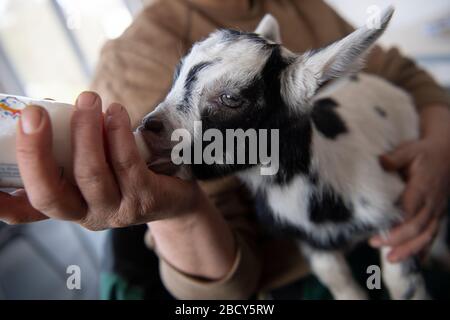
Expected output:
{"points": [[60, 115]]}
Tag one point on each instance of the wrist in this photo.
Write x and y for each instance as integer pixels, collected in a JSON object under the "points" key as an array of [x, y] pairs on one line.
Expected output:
{"points": [[198, 243], [185, 220]]}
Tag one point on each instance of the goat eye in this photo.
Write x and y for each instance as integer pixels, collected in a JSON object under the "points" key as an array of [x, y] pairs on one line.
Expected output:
{"points": [[230, 101]]}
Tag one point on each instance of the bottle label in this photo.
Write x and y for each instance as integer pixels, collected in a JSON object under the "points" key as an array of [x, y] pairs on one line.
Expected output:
{"points": [[9, 171], [10, 108]]}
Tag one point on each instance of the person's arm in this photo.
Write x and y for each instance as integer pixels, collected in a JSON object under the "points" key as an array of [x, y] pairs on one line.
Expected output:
{"points": [[115, 189], [136, 70], [199, 244], [230, 198], [426, 162], [402, 71], [204, 254]]}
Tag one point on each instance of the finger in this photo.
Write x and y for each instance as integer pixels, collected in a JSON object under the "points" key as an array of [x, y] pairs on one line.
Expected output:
{"points": [[91, 170], [125, 159], [424, 254], [438, 214], [406, 231], [416, 245], [135, 180], [130, 169], [399, 158], [158, 195], [48, 192], [16, 209], [413, 197], [442, 207]]}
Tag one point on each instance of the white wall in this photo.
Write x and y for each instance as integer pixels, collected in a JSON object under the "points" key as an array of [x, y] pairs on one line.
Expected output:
{"points": [[408, 29]]}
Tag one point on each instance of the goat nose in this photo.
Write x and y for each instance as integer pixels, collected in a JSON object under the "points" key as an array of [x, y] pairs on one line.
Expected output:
{"points": [[153, 124]]}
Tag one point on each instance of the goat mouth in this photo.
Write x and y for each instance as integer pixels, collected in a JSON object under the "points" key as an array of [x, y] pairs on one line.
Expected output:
{"points": [[160, 151]]}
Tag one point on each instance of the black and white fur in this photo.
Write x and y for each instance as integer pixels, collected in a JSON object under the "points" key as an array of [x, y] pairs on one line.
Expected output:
{"points": [[330, 191]]}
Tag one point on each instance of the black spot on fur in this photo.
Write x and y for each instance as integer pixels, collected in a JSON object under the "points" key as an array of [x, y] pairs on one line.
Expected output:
{"points": [[295, 132], [183, 107], [233, 35], [313, 178], [333, 241], [326, 206], [192, 74], [266, 110], [191, 79], [380, 111], [326, 119], [354, 78], [295, 150]]}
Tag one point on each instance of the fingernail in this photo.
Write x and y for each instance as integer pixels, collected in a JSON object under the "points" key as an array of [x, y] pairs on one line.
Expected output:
{"points": [[114, 111], [86, 100], [31, 119], [114, 108]]}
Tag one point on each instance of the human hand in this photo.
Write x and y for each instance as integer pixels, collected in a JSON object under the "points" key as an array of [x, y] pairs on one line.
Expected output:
{"points": [[111, 189], [16, 209], [426, 167]]}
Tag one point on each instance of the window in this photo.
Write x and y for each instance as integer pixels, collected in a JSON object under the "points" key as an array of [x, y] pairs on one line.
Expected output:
{"points": [[49, 48]]}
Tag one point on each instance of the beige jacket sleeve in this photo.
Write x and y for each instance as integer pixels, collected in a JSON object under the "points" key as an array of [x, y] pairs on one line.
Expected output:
{"points": [[241, 282], [402, 71], [136, 69]]}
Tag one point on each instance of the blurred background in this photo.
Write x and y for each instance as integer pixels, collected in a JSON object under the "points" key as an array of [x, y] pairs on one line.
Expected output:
{"points": [[49, 48]]}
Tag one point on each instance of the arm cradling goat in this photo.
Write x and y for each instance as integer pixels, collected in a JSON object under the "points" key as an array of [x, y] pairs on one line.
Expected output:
{"points": [[330, 191]]}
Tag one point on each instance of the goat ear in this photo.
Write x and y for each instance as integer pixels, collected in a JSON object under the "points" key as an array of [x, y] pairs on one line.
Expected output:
{"points": [[347, 55], [269, 28]]}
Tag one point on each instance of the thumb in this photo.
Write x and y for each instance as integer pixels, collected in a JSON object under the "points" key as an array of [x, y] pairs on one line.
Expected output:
{"points": [[398, 159]]}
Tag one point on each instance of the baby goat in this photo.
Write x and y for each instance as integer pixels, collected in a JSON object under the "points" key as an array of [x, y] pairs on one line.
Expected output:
{"points": [[330, 191]]}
